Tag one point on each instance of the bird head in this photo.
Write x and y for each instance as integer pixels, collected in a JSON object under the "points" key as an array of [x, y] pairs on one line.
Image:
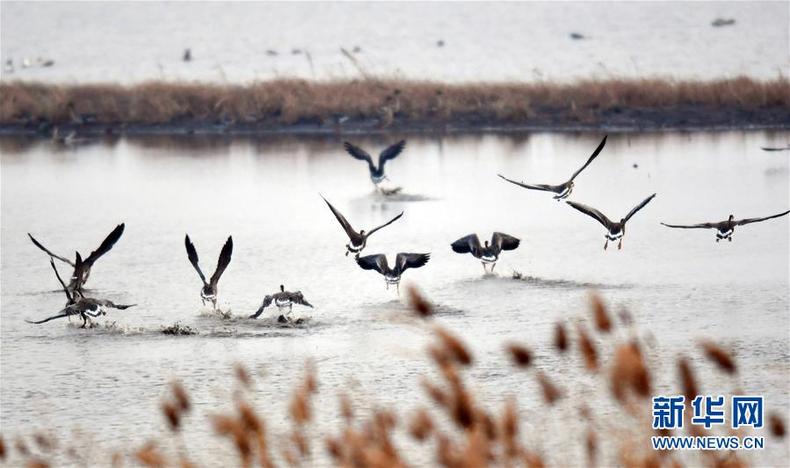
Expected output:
{"points": [[731, 218], [362, 232], [282, 288]]}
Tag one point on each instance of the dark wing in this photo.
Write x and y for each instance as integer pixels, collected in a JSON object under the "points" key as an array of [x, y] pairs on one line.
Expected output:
{"points": [[391, 152], [385, 224], [467, 244], [106, 245], [298, 298], [359, 153], [757, 220], [353, 235], [504, 242], [591, 212], [62, 314], [267, 301], [766, 148], [543, 187], [595, 153], [692, 226], [57, 275], [404, 261], [193, 257], [639, 207], [38, 244], [224, 260], [376, 262]]}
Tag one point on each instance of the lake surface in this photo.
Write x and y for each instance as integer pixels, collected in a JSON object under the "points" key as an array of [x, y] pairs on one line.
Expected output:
{"points": [[107, 382], [530, 41]]}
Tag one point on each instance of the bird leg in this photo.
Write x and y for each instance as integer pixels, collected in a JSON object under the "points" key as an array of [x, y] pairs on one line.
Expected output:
{"points": [[84, 320], [397, 287], [620, 244], [492, 267], [606, 244], [214, 303], [729, 239]]}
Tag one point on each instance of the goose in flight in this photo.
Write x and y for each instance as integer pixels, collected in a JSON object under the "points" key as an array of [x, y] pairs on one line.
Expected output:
{"points": [[77, 304], [80, 275], [209, 290], [283, 299], [403, 261], [725, 229], [564, 189], [358, 240], [376, 172], [614, 230], [488, 253]]}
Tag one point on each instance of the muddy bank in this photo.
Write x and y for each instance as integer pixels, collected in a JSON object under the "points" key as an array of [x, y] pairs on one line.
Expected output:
{"points": [[372, 106]]}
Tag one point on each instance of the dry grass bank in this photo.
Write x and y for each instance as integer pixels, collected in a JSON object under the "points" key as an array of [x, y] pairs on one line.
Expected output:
{"points": [[453, 426], [401, 104]]}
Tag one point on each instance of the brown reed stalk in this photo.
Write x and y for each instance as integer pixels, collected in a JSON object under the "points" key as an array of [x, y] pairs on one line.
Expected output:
{"points": [[560, 337], [600, 314], [629, 373], [419, 304], [588, 350], [521, 355], [776, 425], [721, 357], [551, 393], [421, 425], [687, 380]]}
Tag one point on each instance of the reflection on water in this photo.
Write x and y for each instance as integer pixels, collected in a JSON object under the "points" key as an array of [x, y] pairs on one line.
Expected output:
{"points": [[265, 192]]}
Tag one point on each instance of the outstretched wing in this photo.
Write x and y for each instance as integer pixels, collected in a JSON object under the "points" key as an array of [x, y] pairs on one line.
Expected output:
{"points": [[106, 245], [298, 298], [193, 257], [343, 221], [47, 251], [267, 301], [404, 261], [385, 224], [639, 207], [591, 212], [467, 244], [504, 241], [595, 153], [543, 187], [63, 313], [376, 262], [224, 260], [62, 284], [691, 226], [391, 152], [359, 153], [757, 220]]}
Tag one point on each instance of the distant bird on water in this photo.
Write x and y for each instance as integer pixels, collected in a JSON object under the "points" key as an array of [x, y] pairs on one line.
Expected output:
{"points": [[614, 230], [564, 189], [358, 240], [283, 299], [489, 253], [209, 290], [82, 268], [725, 228], [377, 174], [77, 304], [775, 148], [403, 261]]}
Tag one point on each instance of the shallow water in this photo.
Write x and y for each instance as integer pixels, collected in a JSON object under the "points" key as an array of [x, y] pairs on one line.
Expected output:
{"points": [[107, 381], [246, 41]]}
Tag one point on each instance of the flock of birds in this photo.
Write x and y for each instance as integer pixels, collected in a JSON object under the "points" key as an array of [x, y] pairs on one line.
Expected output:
{"points": [[487, 253]]}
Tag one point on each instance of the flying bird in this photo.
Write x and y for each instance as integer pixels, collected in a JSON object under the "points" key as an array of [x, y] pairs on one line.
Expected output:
{"points": [[403, 261], [564, 189], [358, 240], [614, 230], [488, 253], [80, 274], [209, 290], [725, 229], [376, 172], [283, 299], [77, 304]]}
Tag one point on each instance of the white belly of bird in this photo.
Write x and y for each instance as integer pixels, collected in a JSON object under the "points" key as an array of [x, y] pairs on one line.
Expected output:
{"points": [[282, 303], [207, 297], [614, 237], [487, 259], [392, 279]]}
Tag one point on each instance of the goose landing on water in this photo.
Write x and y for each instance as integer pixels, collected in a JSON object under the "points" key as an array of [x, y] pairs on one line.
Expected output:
{"points": [[82, 268], [376, 172], [614, 230], [358, 239], [209, 290], [564, 189], [283, 299], [77, 304], [488, 254], [725, 229], [403, 261]]}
